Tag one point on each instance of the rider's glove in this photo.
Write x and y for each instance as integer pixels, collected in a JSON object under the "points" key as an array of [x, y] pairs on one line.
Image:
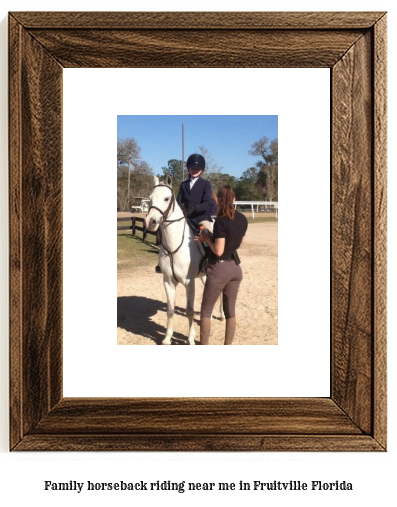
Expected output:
{"points": [[190, 211]]}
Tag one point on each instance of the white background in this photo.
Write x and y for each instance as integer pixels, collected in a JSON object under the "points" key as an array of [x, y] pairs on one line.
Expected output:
{"points": [[93, 364], [22, 475]]}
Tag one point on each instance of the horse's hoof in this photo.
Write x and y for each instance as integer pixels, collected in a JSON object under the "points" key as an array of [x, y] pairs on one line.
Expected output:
{"points": [[166, 341]]}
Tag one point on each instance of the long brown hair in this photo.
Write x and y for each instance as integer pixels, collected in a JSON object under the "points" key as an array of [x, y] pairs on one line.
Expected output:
{"points": [[225, 202]]}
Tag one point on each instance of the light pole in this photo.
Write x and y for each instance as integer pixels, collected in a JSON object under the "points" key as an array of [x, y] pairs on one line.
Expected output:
{"points": [[129, 179], [183, 152]]}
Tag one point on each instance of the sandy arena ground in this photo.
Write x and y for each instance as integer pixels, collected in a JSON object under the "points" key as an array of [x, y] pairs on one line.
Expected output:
{"points": [[142, 303]]}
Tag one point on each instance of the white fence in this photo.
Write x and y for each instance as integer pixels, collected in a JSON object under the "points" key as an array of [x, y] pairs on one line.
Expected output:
{"points": [[265, 205]]}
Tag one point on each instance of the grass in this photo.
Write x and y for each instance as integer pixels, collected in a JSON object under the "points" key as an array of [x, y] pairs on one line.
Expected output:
{"points": [[260, 219], [133, 252]]}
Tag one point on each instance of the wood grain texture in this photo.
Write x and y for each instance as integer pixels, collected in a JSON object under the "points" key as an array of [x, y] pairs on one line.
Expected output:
{"points": [[199, 443], [230, 416], [380, 228], [36, 187], [15, 225], [196, 48], [42, 230], [353, 45], [202, 20], [352, 232]]}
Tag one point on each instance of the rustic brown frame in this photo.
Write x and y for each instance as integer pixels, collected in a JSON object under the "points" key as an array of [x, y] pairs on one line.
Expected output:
{"points": [[353, 46]]}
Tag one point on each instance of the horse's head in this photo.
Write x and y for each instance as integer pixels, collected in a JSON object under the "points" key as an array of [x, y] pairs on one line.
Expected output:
{"points": [[162, 203]]}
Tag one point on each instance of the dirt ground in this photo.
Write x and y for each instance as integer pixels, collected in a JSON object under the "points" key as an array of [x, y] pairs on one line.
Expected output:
{"points": [[142, 303]]}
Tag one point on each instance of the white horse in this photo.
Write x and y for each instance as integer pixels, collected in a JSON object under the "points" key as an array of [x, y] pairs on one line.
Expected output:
{"points": [[180, 256]]}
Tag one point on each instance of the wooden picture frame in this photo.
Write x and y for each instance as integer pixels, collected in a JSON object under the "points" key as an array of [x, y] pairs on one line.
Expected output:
{"points": [[353, 46]]}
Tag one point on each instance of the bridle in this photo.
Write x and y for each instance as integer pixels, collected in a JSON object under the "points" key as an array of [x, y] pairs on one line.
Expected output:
{"points": [[172, 203], [165, 220]]}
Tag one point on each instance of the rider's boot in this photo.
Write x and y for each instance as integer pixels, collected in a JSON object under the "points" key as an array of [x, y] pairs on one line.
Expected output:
{"points": [[230, 330], [205, 329]]}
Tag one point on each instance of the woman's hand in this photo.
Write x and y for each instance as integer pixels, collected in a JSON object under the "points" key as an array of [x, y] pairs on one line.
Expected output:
{"points": [[204, 237], [217, 246]]}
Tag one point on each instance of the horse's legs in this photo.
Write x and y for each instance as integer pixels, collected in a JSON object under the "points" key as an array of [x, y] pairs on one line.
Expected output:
{"points": [[190, 291], [170, 288]]}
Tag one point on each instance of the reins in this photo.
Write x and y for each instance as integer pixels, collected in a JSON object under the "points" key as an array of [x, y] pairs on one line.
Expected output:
{"points": [[165, 216]]}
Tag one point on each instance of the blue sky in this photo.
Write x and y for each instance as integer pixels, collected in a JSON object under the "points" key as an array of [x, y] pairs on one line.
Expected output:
{"points": [[227, 138]]}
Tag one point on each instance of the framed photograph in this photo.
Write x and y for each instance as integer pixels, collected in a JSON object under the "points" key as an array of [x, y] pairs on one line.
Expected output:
{"points": [[222, 144], [353, 46]]}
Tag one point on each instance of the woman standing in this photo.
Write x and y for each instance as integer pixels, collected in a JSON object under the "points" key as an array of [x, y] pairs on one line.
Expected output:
{"points": [[224, 273]]}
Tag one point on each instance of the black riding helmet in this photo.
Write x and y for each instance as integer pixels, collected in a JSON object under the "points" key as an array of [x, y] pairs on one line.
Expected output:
{"points": [[196, 161]]}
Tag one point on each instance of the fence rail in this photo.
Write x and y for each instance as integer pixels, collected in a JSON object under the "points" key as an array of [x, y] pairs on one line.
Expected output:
{"points": [[134, 227], [265, 205]]}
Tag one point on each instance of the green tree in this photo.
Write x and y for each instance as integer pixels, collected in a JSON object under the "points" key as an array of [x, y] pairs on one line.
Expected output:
{"points": [[267, 166], [247, 188], [219, 180]]}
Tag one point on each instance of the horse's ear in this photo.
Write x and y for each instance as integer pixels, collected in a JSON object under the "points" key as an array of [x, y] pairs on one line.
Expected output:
{"points": [[156, 180], [168, 180]]}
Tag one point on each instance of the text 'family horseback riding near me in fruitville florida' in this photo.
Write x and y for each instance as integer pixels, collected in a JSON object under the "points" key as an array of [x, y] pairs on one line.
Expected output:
{"points": [[183, 486]]}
